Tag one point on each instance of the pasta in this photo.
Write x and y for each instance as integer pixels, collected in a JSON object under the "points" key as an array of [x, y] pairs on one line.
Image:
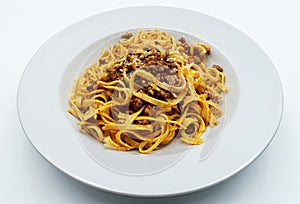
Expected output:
{"points": [[145, 90]]}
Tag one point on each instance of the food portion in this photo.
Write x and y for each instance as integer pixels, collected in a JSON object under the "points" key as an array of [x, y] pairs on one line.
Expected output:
{"points": [[146, 90]]}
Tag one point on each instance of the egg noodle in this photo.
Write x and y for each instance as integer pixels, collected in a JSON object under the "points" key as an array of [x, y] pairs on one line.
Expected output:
{"points": [[145, 90]]}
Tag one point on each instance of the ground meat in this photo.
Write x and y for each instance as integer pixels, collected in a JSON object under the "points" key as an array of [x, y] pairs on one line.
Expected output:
{"points": [[171, 79], [142, 122], [190, 59], [163, 74], [102, 61], [148, 109], [152, 61], [157, 93], [165, 95], [197, 51], [218, 67], [136, 104], [190, 129], [187, 49], [111, 74], [90, 88], [115, 76], [126, 35], [182, 40], [148, 49], [175, 110], [197, 59], [105, 78]]}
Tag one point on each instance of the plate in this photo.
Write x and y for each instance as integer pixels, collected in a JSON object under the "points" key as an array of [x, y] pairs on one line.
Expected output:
{"points": [[252, 107]]}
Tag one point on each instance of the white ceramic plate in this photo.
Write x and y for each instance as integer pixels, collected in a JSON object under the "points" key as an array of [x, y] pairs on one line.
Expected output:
{"points": [[252, 107]]}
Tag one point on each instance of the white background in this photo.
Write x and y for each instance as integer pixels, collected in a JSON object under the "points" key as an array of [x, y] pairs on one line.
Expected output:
{"points": [[25, 177]]}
